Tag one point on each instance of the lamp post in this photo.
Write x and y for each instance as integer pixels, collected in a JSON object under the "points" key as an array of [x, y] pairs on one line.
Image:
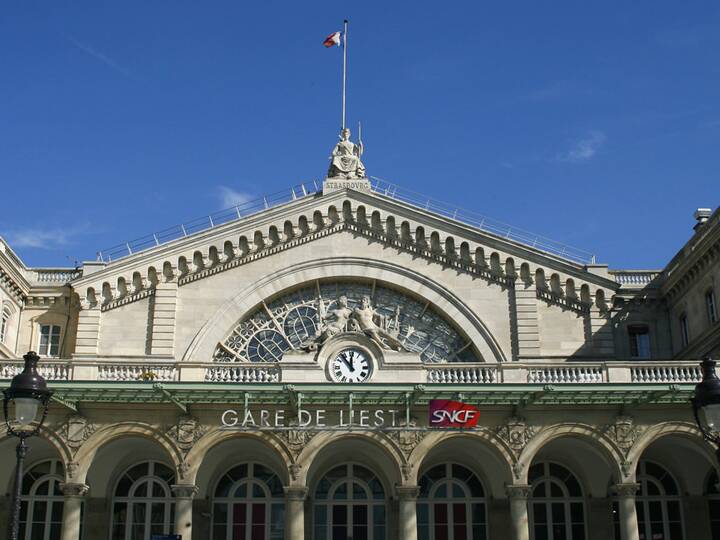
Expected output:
{"points": [[706, 403], [28, 392]]}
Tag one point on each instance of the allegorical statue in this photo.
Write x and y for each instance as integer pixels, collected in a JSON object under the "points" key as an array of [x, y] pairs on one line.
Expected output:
{"points": [[334, 321], [345, 158], [376, 326]]}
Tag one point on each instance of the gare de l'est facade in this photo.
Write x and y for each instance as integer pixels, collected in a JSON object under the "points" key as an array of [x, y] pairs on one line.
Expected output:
{"points": [[348, 364]]}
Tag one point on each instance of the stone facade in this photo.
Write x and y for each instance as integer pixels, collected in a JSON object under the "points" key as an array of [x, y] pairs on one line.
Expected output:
{"points": [[569, 363]]}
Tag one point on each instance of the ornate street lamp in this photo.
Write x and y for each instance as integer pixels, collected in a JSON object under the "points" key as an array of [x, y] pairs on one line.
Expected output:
{"points": [[706, 403], [29, 393]]}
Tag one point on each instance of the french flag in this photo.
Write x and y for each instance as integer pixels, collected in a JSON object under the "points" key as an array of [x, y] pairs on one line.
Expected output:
{"points": [[332, 40]]}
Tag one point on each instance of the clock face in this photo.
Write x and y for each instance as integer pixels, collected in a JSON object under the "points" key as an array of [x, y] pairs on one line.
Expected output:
{"points": [[351, 366]]}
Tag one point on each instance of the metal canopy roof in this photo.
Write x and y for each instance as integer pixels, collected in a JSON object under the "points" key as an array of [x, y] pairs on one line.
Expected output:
{"points": [[71, 393]]}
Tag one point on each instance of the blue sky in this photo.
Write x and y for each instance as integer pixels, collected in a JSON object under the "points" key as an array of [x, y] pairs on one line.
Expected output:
{"points": [[596, 124]]}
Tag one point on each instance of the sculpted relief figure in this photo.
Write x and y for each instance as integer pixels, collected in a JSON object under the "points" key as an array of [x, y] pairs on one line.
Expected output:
{"points": [[334, 320], [375, 325], [364, 318], [346, 158]]}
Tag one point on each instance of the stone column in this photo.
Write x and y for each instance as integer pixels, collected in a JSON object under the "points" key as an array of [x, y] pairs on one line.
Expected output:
{"points": [[528, 330], [74, 494], [184, 494], [518, 497], [627, 513], [295, 512], [407, 515]]}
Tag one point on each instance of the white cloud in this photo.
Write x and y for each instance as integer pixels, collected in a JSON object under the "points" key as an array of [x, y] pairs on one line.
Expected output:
{"points": [[230, 197], [39, 238], [584, 149]]}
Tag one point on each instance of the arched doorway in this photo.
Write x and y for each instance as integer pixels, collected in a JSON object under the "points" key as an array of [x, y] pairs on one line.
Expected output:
{"points": [[658, 503], [451, 504], [557, 504], [142, 502], [248, 504], [41, 506], [349, 502]]}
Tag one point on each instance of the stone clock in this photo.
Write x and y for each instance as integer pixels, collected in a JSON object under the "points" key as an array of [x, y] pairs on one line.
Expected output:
{"points": [[351, 365]]}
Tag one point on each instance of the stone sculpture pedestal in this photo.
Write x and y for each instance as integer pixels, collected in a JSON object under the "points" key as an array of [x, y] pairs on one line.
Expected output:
{"points": [[335, 184]]}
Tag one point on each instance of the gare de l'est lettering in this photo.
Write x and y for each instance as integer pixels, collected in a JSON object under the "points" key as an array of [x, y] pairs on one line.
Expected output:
{"points": [[348, 360]]}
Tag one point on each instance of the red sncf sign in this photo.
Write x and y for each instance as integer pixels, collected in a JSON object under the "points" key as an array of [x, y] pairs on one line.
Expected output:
{"points": [[448, 413]]}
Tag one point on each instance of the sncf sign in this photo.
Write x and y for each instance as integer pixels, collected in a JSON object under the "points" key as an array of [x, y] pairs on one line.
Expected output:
{"points": [[448, 413]]}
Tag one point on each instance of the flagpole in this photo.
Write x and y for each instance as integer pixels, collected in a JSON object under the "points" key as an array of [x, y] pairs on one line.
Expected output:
{"points": [[344, 71]]}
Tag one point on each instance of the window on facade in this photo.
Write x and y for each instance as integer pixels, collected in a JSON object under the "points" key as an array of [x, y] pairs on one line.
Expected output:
{"points": [[684, 333], [249, 504], [142, 503], [712, 491], [349, 503], [557, 507], [658, 503], [4, 324], [639, 341], [49, 340], [41, 505], [451, 505], [711, 306]]}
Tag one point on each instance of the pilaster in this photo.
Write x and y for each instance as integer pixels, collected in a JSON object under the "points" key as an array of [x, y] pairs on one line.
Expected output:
{"points": [[164, 305], [603, 342], [88, 330], [528, 330]]}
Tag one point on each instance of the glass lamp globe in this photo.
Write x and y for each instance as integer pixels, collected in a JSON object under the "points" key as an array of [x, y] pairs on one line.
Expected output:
{"points": [[26, 409], [711, 415]]}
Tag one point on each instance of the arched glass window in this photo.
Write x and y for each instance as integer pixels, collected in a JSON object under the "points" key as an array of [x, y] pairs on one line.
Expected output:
{"points": [[4, 324], [142, 503], [712, 492], [42, 501], [249, 504], [349, 503], [451, 505], [557, 507], [658, 504]]}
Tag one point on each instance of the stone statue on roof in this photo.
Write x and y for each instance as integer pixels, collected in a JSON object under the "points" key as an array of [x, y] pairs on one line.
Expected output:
{"points": [[345, 158]]}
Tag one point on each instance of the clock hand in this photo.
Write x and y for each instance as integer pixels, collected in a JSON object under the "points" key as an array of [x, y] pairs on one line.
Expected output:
{"points": [[347, 364]]}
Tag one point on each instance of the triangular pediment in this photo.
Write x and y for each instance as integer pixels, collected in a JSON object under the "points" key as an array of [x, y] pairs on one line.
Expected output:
{"points": [[398, 224]]}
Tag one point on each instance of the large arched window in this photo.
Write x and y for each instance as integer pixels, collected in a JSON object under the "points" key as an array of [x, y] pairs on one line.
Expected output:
{"points": [[712, 492], [349, 503], [142, 502], [658, 503], [249, 504], [42, 501], [451, 504], [557, 507]]}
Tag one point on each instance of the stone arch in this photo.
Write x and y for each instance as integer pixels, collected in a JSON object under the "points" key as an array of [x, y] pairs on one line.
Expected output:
{"points": [[597, 440], [495, 446], [311, 466], [686, 430], [450, 306], [212, 439], [86, 454]]}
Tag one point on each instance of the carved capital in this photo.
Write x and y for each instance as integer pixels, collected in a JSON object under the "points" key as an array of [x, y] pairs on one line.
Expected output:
{"points": [[625, 490], [295, 493], [407, 492], [74, 490], [184, 491], [517, 491]]}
